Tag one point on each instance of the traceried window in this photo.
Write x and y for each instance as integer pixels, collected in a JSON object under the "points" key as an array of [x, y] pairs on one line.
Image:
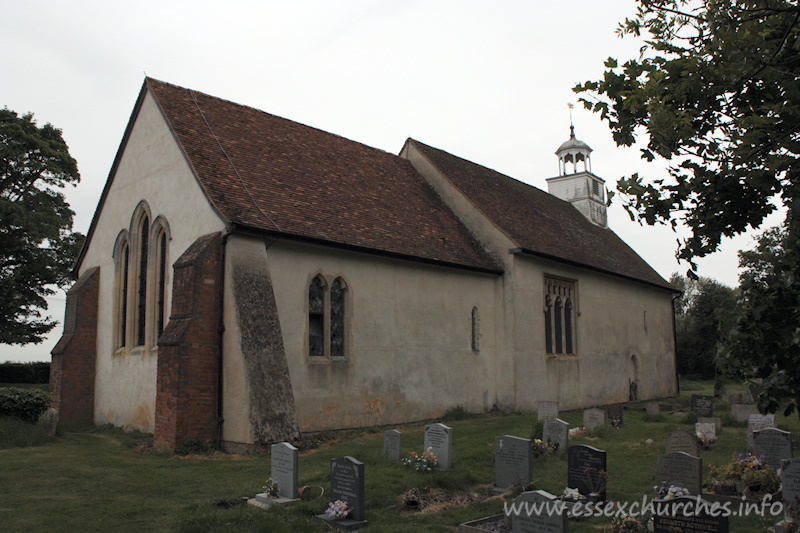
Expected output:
{"points": [[337, 318], [327, 318], [559, 316], [316, 318]]}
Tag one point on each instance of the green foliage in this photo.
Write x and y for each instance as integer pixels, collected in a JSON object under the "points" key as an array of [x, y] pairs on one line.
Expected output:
{"points": [[11, 372], [37, 245], [26, 404], [196, 447], [16, 433], [716, 93], [704, 315], [456, 413]]}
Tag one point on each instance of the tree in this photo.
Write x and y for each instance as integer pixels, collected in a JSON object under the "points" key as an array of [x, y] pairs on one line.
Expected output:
{"points": [[37, 245], [704, 315], [716, 91]]}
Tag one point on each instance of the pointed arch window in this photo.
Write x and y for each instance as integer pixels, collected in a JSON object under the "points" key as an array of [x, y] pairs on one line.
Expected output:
{"points": [[475, 332], [337, 318], [559, 316], [161, 283], [121, 269], [141, 274], [327, 318], [316, 318]]}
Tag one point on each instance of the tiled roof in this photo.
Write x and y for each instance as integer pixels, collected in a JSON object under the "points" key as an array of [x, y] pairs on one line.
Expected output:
{"points": [[540, 223], [270, 174]]}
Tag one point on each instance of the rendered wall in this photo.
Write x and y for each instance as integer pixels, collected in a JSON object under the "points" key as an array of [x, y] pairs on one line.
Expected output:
{"points": [[152, 168]]}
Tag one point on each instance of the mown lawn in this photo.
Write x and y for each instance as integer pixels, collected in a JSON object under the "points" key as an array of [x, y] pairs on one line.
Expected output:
{"points": [[102, 480]]}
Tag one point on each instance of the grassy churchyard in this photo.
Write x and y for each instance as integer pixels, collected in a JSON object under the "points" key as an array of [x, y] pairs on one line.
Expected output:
{"points": [[104, 479]]}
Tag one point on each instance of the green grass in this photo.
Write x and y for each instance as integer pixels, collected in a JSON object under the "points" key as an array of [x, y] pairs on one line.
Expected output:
{"points": [[101, 480]]}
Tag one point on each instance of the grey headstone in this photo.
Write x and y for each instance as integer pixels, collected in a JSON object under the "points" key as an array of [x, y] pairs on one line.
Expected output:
{"points": [[757, 423], [703, 405], [347, 484], [741, 412], [593, 418], [439, 438], [513, 461], [687, 515], [790, 482], [615, 414], [392, 444], [717, 421], [706, 431], [284, 469], [732, 397], [585, 466], [681, 469], [547, 410], [527, 520], [775, 444], [681, 440], [51, 420], [653, 409], [556, 431]]}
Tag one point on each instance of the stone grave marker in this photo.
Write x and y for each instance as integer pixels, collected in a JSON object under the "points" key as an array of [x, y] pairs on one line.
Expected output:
{"points": [[556, 431], [615, 414], [687, 515], [347, 484], [741, 412], [775, 444], [706, 431], [790, 482], [586, 466], [513, 461], [392, 444], [547, 410], [653, 409], [524, 522], [717, 421], [681, 440], [439, 438], [732, 397], [757, 423], [593, 417], [703, 405], [681, 469], [284, 469]]}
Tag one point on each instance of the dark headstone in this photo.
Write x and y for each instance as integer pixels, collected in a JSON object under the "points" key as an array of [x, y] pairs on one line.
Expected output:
{"points": [[775, 444], [790, 484], [392, 444], [615, 414], [547, 410], [757, 423], [681, 469], [347, 484], [556, 431], [284, 469], [439, 438], [689, 515], [681, 440], [593, 417], [653, 409], [513, 461], [703, 405], [532, 515], [586, 470]]}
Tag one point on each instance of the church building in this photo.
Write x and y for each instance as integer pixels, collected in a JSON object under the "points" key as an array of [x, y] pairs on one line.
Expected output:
{"points": [[246, 279]]}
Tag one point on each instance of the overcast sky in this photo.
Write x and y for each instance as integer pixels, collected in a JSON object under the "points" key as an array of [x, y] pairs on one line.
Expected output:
{"points": [[487, 81]]}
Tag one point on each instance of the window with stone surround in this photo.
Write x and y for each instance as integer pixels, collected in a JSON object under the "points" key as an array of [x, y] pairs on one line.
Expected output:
{"points": [[559, 316], [327, 318], [121, 257]]}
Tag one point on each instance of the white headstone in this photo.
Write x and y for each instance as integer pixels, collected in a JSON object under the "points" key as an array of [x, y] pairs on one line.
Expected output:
{"points": [[439, 439]]}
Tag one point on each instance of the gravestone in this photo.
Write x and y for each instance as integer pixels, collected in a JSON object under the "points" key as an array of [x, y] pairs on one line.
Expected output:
{"points": [[741, 412], [513, 461], [706, 431], [347, 485], [439, 438], [732, 397], [593, 417], [653, 409], [556, 431], [717, 421], [284, 469], [547, 410], [681, 469], [681, 440], [757, 423], [688, 515], [775, 444], [532, 515], [615, 414], [586, 468], [790, 483], [392, 444], [703, 405]]}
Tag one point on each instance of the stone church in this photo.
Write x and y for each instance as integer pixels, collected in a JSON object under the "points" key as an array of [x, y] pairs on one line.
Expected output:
{"points": [[247, 278]]}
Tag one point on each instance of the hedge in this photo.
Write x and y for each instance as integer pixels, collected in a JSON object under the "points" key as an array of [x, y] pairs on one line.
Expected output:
{"points": [[38, 372], [25, 404]]}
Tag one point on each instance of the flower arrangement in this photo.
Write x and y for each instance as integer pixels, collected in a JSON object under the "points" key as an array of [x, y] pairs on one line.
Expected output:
{"points": [[596, 480], [421, 463], [572, 495], [747, 473], [706, 442], [338, 510], [625, 523], [543, 448], [519, 487], [271, 488], [666, 491]]}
